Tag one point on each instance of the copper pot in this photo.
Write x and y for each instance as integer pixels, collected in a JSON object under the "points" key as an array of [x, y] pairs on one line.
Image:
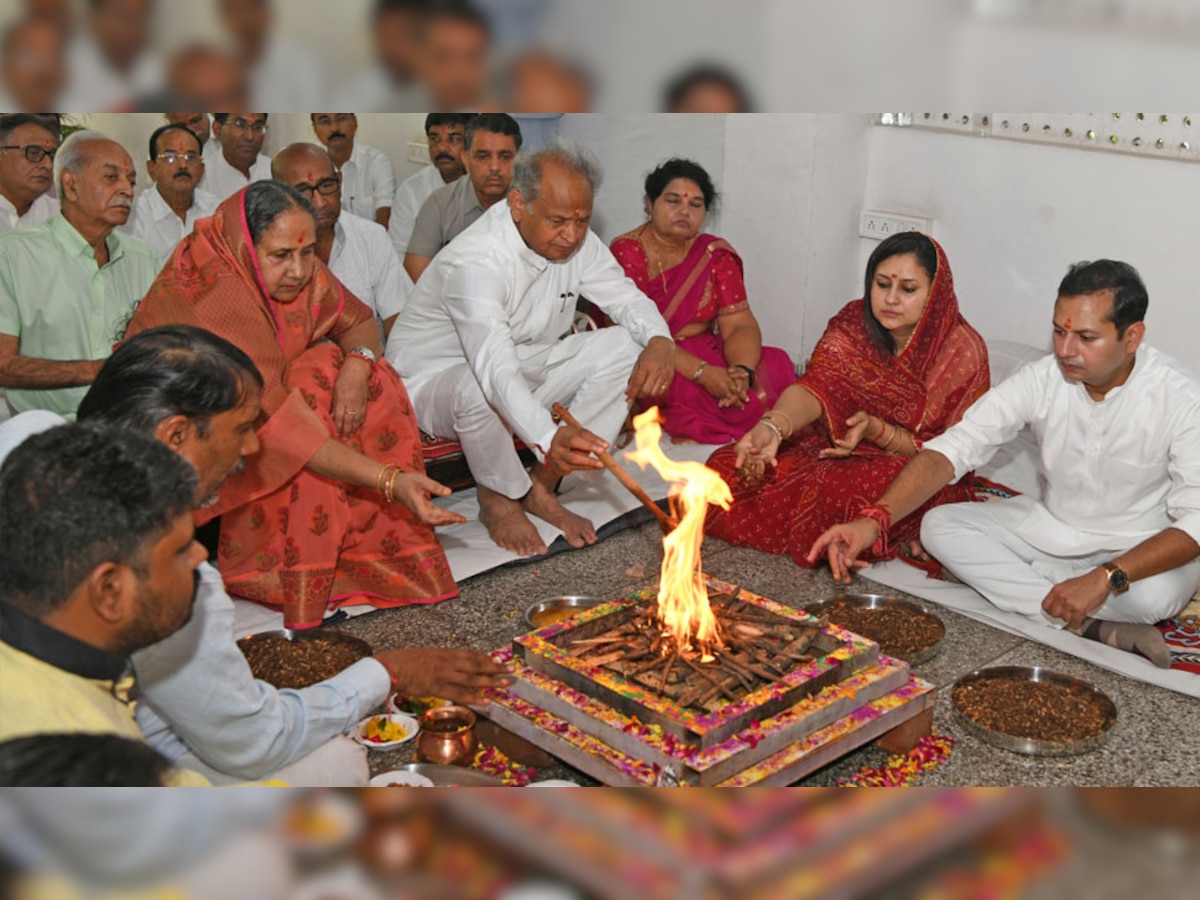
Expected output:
{"points": [[447, 736]]}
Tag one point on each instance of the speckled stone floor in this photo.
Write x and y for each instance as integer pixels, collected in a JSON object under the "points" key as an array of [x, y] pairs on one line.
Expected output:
{"points": [[1152, 745]]}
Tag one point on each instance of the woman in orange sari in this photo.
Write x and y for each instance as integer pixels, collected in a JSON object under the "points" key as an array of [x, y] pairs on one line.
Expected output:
{"points": [[335, 508], [892, 370]]}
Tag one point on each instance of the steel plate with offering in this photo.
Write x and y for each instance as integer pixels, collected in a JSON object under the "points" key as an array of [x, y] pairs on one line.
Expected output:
{"points": [[902, 629], [553, 610], [451, 776], [289, 658], [386, 732], [1034, 711]]}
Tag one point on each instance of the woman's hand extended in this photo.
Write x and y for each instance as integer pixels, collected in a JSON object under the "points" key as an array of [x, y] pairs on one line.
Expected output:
{"points": [[861, 425], [756, 450]]}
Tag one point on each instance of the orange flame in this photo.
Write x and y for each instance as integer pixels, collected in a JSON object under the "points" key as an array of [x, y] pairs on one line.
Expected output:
{"points": [[683, 608]]}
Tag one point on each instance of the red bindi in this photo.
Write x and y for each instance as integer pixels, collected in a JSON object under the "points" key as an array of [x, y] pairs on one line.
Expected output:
{"points": [[894, 275], [1067, 324]]}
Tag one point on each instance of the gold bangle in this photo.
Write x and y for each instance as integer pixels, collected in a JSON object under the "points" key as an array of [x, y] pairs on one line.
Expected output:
{"points": [[383, 470], [894, 441], [786, 418], [391, 498], [775, 428], [782, 436]]}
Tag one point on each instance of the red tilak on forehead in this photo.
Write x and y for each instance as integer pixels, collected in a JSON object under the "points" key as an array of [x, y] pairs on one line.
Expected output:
{"points": [[311, 177], [578, 213], [1067, 324], [894, 275]]}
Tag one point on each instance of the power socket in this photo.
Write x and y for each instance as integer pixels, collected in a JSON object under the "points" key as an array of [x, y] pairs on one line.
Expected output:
{"points": [[417, 152], [880, 225]]}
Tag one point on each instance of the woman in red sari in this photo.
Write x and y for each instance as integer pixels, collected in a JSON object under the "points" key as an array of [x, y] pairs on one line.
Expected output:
{"points": [[724, 377], [335, 508], [891, 371]]}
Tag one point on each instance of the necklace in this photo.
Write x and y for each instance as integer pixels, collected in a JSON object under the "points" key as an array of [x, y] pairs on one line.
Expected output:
{"points": [[658, 252], [907, 341]]}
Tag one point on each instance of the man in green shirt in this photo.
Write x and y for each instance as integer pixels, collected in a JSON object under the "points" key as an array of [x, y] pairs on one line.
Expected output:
{"points": [[69, 286]]}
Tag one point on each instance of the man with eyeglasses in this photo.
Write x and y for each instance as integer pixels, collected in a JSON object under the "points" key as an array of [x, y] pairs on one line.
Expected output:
{"points": [[69, 286], [241, 161], [368, 179], [27, 148], [164, 214], [200, 125], [356, 250], [446, 134]]}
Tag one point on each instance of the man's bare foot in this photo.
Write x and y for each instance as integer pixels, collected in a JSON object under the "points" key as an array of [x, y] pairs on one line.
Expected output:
{"points": [[539, 474], [542, 503], [508, 525], [1144, 640]]}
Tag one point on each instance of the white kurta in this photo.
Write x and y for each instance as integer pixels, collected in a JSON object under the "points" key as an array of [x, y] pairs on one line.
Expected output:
{"points": [[223, 181], [157, 226], [493, 318], [43, 208], [362, 259], [1113, 473], [412, 192], [368, 181]]}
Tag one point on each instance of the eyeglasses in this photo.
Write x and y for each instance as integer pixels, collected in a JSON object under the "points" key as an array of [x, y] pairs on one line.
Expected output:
{"points": [[327, 121], [325, 186], [33, 152], [170, 157], [242, 125]]}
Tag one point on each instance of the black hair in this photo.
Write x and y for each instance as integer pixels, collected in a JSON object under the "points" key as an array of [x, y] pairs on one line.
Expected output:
{"points": [[678, 89], [221, 117], [495, 123], [159, 132], [435, 120], [657, 181], [81, 760], [902, 244], [456, 11], [1129, 297], [10, 123], [383, 7], [80, 495], [266, 201], [175, 370]]}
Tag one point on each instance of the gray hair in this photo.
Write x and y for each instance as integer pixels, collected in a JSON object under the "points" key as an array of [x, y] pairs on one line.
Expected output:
{"points": [[71, 158], [527, 170]]}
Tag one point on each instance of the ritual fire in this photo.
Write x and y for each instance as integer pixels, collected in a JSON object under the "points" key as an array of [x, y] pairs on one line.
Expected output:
{"points": [[684, 611]]}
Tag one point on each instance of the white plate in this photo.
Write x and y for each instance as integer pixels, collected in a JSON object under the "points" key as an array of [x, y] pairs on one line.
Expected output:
{"points": [[400, 777], [410, 725]]}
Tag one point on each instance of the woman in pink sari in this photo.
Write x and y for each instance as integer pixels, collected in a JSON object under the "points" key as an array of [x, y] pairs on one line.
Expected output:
{"points": [[725, 379], [335, 507]]}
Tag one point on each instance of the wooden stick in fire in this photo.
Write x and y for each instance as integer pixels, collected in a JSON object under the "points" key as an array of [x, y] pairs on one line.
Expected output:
{"points": [[665, 521]]}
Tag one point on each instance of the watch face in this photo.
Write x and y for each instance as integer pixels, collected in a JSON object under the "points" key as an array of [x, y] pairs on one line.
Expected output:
{"points": [[1118, 580]]}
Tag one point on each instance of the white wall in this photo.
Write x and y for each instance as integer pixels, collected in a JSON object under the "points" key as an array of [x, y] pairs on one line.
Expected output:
{"points": [[1012, 216]]}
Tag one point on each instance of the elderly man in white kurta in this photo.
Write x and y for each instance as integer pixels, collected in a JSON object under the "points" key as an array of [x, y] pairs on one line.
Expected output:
{"points": [[485, 346], [1112, 546]]}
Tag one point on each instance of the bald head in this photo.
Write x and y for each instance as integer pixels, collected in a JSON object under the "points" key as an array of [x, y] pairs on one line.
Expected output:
{"points": [[309, 169]]}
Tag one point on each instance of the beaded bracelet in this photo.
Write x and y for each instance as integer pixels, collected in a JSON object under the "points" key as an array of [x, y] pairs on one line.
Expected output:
{"points": [[883, 520]]}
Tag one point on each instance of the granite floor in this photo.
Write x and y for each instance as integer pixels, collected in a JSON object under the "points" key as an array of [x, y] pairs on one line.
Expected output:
{"points": [[1151, 744]]}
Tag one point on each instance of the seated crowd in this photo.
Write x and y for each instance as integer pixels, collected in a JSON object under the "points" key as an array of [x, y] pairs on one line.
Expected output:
{"points": [[261, 342]]}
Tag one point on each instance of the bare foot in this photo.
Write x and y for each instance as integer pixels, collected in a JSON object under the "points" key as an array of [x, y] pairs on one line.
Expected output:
{"points": [[539, 474], [542, 503], [1144, 640], [508, 525]]}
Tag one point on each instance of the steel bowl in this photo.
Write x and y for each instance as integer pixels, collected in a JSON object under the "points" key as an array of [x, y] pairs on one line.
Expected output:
{"points": [[451, 776], [555, 609], [1033, 746], [880, 601]]}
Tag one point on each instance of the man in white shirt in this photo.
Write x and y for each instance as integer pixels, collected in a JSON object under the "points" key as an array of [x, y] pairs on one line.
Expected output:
{"points": [[112, 61], [485, 348], [27, 149], [32, 66], [164, 214], [368, 179], [356, 250], [1112, 546], [239, 137], [446, 134], [200, 126]]}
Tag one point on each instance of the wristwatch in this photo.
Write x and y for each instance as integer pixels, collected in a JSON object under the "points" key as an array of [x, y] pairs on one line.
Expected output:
{"points": [[1118, 581], [363, 353]]}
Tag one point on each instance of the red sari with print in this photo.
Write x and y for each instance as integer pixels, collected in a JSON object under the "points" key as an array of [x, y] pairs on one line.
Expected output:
{"points": [[926, 389], [708, 284], [290, 538]]}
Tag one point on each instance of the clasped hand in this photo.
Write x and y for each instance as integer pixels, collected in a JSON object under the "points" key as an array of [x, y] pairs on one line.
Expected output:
{"points": [[350, 396]]}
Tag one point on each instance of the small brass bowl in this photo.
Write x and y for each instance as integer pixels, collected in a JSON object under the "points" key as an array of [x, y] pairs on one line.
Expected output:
{"points": [[447, 736], [555, 609]]}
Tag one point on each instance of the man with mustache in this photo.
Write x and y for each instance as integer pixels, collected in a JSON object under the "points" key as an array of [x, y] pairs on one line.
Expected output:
{"points": [[368, 179], [492, 143], [69, 286], [32, 66], [165, 213], [240, 161], [1113, 546], [446, 134], [356, 249], [27, 148]]}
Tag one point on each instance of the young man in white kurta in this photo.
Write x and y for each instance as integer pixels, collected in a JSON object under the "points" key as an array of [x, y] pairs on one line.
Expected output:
{"points": [[1116, 535], [485, 345]]}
